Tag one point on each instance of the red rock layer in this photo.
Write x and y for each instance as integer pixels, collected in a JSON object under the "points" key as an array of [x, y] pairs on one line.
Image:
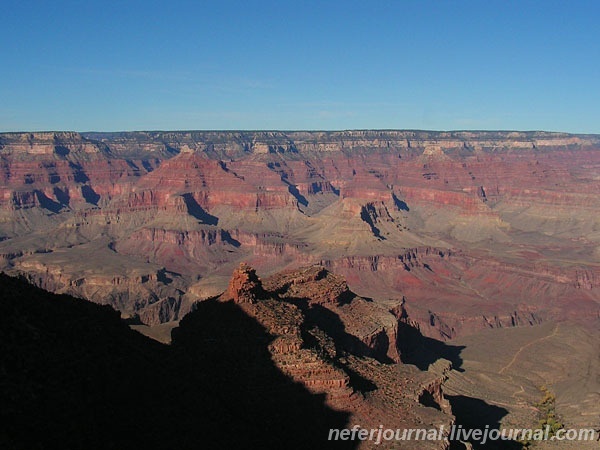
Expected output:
{"points": [[520, 207]]}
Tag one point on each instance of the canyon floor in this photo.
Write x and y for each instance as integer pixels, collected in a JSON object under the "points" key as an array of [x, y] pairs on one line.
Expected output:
{"points": [[465, 263]]}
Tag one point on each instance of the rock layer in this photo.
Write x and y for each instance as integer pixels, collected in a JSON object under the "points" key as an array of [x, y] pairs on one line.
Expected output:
{"points": [[336, 358], [510, 218]]}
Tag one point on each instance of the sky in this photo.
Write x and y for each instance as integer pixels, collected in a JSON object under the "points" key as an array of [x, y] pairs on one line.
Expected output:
{"points": [[300, 65]]}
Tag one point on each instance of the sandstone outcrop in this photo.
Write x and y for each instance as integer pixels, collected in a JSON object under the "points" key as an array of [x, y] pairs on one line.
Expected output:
{"points": [[315, 284], [315, 354], [244, 286]]}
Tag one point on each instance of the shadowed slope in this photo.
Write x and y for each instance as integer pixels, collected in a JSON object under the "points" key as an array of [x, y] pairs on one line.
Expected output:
{"points": [[75, 376]]}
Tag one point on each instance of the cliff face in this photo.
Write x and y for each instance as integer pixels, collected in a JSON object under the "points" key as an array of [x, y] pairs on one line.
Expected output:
{"points": [[472, 229], [337, 344]]}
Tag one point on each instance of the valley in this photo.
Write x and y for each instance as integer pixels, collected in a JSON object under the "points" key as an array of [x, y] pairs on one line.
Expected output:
{"points": [[465, 263]]}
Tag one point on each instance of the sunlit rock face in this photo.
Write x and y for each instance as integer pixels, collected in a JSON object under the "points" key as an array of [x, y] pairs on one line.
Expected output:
{"points": [[467, 230]]}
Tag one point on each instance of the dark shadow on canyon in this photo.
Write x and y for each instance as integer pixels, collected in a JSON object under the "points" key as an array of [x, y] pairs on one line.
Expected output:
{"points": [[330, 322], [400, 204], [226, 236], [365, 214], [147, 166], [62, 195], [90, 195], [61, 150], [196, 211], [47, 203], [75, 376], [79, 175], [422, 351], [475, 414], [296, 193]]}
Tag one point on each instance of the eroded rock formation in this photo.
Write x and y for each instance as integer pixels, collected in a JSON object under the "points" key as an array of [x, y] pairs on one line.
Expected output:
{"points": [[244, 286], [473, 229], [335, 357]]}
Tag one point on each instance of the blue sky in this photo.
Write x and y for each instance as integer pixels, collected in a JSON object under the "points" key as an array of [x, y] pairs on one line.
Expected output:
{"points": [[439, 65]]}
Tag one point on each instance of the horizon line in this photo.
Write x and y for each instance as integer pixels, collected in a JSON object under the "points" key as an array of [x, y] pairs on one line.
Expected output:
{"points": [[266, 130]]}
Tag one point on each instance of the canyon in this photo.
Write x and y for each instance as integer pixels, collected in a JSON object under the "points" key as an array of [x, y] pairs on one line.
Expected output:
{"points": [[468, 229], [371, 257]]}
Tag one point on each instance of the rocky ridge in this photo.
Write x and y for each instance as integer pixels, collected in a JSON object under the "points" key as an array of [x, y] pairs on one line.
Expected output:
{"points": [[326, 360]]}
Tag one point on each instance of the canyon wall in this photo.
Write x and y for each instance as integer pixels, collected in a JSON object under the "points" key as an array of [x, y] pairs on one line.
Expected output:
{"points": [[467, 230]]}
